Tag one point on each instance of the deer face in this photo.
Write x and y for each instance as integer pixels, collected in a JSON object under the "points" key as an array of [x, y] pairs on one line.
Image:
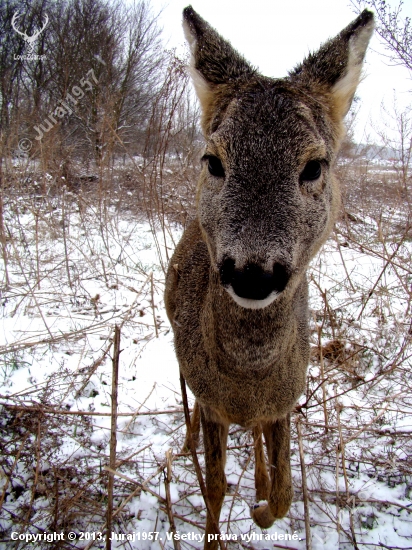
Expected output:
{"points": [[267, 198]]}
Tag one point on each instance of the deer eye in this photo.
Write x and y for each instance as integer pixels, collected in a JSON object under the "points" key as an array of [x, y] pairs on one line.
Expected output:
{"points": [[215, 167], [312, 171]]}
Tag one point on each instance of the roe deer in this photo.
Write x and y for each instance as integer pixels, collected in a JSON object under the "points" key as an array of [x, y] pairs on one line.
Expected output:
{"points": [[236, 287]]}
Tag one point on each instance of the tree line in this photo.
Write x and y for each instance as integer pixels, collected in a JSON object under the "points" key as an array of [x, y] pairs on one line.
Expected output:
{"points": [[96, 83]]}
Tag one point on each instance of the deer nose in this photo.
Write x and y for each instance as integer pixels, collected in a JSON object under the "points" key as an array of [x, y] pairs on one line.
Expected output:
{"points": [[251, 281]]}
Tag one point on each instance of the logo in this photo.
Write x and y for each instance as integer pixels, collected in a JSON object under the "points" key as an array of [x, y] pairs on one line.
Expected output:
{"points": [[30, 40]]}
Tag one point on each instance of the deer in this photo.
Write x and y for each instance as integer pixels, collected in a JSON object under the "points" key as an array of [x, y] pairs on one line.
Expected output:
{"points": [[236, 291], [29, 39]]}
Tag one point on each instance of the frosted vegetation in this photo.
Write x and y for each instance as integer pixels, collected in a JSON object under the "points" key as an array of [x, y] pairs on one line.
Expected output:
{"points": [[79, 264], [89, 217]]}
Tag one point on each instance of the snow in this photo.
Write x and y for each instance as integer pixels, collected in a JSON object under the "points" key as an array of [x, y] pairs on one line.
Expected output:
{"points": [[73, 278]]}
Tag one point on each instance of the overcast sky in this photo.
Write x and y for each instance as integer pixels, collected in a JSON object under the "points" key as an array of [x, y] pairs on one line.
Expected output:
{"points": [[275, 35]]}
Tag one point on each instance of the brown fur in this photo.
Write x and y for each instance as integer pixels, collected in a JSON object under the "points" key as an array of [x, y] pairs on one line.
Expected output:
{"points": [[242, 350]]}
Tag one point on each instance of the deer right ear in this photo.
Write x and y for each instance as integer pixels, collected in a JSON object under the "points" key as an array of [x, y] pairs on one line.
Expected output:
{"points": [[214, 63], [336, 68]]}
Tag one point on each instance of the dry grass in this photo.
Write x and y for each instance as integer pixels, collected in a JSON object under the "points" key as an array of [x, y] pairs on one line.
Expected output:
{"points": [[353, 443]]}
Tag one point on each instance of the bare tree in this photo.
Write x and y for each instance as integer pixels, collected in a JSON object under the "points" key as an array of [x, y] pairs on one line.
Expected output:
{"points": [[88, 90], [393, 28], [115, 50], [21, 82]]}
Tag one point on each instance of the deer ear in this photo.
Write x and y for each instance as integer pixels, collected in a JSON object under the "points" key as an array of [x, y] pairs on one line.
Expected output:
{"points": [[335, 69], [214, 63]]}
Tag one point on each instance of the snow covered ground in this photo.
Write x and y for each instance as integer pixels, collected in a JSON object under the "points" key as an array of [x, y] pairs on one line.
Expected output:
{"points": [[72, 273]]}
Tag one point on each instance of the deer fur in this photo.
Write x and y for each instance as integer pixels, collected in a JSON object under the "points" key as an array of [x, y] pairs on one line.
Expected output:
{"points": [[236, 289]]}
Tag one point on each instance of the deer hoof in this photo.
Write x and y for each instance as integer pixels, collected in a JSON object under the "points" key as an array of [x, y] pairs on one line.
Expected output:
{"points": [[262, 515]]}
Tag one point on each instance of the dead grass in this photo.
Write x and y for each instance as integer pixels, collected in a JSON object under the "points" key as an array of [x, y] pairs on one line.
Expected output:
{"points": [[353, 445]]}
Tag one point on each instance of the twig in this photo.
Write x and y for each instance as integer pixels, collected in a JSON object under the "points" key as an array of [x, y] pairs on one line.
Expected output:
{"points": [[66, 254], [388, 262], [374, 419], [338, 449], [40, 408], [185, 520], [136, 413], [12, 469], [112, 460], [153, 305], [365, 248], [169, 510], [322, 371], [93, 368], [29, 286], [3, 238], [36, 217], [140, 487], [135, 482], [80, 333], [36, 472], [304, 486], [128, 458], [345, 475], [236, 491], [343, 262]]}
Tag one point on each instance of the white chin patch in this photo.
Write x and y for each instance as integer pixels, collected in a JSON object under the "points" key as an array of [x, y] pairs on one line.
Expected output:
{"points": [[252, 304]]}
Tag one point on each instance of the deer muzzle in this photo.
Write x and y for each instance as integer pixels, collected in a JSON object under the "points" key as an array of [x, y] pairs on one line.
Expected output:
{"points": [[252, 281]]}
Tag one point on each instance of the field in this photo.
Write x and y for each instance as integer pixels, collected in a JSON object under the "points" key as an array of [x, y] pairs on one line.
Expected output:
{"points": [[77, 262]]}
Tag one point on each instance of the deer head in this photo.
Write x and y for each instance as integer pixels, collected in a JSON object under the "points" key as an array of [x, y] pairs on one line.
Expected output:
{"points": [[29, 39]]}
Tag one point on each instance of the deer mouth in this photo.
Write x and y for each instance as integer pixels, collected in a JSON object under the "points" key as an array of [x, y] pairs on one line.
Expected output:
{"points": [[252, 286]]}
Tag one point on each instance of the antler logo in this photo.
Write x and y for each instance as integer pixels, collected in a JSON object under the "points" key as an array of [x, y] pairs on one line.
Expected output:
{"points": [[29, 39]]}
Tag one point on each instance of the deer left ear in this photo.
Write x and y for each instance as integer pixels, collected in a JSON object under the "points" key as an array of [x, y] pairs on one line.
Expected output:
{"points": [[335, 69], [215, 65]]}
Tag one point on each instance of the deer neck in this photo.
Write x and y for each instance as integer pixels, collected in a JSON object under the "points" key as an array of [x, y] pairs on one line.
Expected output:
{"points": [[247, 340]]}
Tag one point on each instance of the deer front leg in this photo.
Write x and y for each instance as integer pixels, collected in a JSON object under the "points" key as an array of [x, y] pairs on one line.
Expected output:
{"points": [[279, 493], [215, 440], [261, 513], [277, 437]]}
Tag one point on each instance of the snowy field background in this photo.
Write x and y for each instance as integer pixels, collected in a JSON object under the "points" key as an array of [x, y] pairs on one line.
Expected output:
{"points": [[78, 266], [93, 199]]}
